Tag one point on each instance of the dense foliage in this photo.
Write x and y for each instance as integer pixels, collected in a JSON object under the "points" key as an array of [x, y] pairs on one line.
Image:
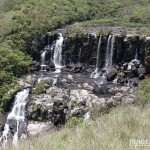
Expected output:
{"points": [[24, 22]]}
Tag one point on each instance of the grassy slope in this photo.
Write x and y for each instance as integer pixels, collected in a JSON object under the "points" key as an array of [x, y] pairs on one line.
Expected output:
{"points": [[112, 131]]}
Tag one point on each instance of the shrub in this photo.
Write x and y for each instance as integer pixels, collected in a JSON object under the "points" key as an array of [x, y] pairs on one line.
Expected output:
{"points": [[73, 122], [40, 87], [98, 110]]}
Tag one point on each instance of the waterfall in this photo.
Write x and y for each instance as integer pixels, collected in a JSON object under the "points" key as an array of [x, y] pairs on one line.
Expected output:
{"points": [[17, 115], [109, 51], [95, 74], [79, 56], [43, 60], [136, 54], [112, 50], [57, 57]]}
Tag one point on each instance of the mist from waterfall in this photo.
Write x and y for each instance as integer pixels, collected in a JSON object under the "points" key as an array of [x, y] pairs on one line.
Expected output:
{"points": [[17, 114], [109, 51], [95, 74]]}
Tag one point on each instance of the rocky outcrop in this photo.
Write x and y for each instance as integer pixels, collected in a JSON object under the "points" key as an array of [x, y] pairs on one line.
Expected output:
{"points": [[59, 103]]}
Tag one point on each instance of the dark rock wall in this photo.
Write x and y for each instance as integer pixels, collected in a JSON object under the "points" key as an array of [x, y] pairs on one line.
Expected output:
{"points": [[125, 48]]}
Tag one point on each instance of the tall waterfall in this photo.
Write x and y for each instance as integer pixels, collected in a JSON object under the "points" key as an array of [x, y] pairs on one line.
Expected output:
{"points": [[17, 115], [57, 57], [109, 51], [112, 50], [79, 56], [136, 54], [95, 74]]}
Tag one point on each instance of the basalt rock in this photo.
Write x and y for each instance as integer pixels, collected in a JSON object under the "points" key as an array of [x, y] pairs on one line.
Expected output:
{"points": [[111, 74], [58, 115]]}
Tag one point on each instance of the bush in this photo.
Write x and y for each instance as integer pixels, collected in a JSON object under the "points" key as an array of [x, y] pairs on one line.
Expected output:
{"points": [[40, 87], [73, 122], [98, 110]]}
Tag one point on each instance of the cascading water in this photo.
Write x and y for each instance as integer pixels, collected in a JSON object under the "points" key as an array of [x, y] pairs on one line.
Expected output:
{"points": [[109, 51], [112, 50], [95, 74], [43, 60], [17, 115], [136, 54], [79, 57], [57, 57]]}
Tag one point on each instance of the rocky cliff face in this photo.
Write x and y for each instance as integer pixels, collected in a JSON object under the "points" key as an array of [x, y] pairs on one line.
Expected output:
{"points": [[126, 48]]}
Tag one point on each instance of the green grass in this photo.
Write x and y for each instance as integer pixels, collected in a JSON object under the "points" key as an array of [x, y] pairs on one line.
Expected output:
{"points": [[111, 131], [143, 93]]}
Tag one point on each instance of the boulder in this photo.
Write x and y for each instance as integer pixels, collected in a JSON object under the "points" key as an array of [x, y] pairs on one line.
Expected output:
{"points": [[141, 70], [127, 100], [77, 68], [111, 74], [52, 65], [100, 90], [141, 76], [86, 86], [38, 128], [129, 74]]}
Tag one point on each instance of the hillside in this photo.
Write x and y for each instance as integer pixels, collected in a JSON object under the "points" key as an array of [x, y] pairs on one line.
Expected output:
{"points": [[46, 76]]}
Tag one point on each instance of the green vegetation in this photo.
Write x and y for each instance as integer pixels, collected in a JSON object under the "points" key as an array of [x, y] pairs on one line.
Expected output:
{"points": [[143, 93], [40, 87], [73, 122]]}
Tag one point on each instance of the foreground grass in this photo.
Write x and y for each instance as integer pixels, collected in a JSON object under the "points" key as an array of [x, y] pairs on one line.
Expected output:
{"points": [[111, 131]]}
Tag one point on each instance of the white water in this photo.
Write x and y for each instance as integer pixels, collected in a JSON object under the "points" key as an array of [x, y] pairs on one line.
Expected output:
{"points": [[43, 60], [109, 51], [95, 74], [57, 57], [136, 54], [17, 114], [112, 50]]}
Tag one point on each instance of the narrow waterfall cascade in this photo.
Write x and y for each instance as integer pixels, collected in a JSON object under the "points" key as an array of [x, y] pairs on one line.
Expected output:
{"points": [[136, 54], [57, 56], [16, 116], [95, 74], [112, 51], [109, 51], [79, 56], [43, 60]]}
